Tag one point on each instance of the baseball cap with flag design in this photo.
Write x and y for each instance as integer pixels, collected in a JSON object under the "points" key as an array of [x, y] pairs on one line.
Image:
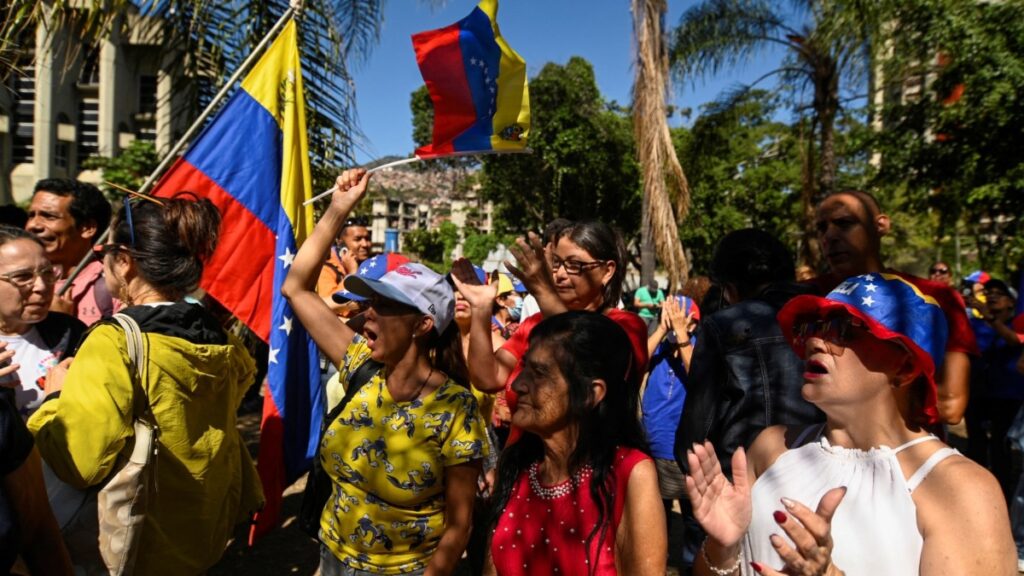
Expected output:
{"points": [[411, 284], [372, 268], [891, 309]]}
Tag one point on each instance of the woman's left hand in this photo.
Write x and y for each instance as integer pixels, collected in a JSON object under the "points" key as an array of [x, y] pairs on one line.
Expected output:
{"points": [[55, 376], [531, 265], [811, 533]]}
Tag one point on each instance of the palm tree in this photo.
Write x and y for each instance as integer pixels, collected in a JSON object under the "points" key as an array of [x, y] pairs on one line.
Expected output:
{"points": [[826, 42], [656, 154], [211, 39]]}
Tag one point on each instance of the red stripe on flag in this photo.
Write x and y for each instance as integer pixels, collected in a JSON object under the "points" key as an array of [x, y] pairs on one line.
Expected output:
{"points": [[240, 274], [440, 59], [270, 465]]}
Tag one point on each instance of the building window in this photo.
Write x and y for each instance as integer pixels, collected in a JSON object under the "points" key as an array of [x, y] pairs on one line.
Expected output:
{"points": [[60, 157], [147, 94], [23, 119], [88, 127]]}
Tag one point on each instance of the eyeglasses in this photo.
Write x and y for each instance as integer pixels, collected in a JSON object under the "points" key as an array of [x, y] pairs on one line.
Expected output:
{"points": [[992, 294], [839, 330], [27, 278], [356, 221], [935, 271], [101, 250], [574, 267]]}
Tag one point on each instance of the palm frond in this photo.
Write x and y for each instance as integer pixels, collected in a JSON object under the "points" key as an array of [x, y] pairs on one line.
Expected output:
{"points": [[717, 34]]}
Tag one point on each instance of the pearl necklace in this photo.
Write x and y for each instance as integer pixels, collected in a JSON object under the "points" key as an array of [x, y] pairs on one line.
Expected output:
{"points": [[561, 489]]}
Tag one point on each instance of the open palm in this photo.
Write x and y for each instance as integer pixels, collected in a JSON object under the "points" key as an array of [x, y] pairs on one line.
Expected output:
{"points": [[721, 507], [478, 295]]}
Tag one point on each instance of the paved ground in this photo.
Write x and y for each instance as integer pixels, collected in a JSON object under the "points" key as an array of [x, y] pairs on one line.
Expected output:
{"points": [[287, 550]]}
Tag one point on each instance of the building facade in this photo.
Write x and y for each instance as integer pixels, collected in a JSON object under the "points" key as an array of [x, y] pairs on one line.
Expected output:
{"points": [[68, 102]]}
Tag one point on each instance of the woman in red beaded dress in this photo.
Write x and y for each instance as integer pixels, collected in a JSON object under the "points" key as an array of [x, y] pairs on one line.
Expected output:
{"points": [[578, 492]]}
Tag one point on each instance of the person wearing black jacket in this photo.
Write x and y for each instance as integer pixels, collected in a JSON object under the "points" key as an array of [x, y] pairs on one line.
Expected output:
{"points": [[744, 376]]}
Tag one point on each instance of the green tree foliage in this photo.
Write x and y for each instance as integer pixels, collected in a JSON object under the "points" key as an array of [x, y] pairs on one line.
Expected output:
{"points": [[130, 168], [744, 171], [583, 163], [955, 146], [433, 247]]}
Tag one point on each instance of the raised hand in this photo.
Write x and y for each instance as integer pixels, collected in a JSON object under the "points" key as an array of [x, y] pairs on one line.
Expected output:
{"points": [[349, 188], [721, 507], [811, 532], [478, 295], [531, 266]]}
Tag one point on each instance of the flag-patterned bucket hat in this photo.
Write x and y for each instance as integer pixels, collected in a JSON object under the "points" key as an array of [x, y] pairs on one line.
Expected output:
{"points": [[891, 309]]}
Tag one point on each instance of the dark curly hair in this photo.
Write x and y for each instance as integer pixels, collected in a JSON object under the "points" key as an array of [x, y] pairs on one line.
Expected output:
{"points": [[88, 204]]}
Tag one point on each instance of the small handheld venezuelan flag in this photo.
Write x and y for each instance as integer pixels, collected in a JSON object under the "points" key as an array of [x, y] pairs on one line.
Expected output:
{"points": [[477, 83]]}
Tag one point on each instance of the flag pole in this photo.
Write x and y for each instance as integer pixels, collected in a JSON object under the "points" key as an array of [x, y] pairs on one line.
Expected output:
{"points": [[404, 161], [293, 9]]}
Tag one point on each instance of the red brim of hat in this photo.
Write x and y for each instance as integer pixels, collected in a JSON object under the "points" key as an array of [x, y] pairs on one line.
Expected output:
{"points": [[808, 306]]}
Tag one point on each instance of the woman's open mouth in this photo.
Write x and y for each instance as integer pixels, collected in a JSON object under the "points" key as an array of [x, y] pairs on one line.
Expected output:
{"points": [[814, 369]]}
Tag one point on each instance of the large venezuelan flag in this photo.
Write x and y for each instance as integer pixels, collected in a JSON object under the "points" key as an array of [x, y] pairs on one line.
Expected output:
{"points": [[252, 161], [477, 83]]}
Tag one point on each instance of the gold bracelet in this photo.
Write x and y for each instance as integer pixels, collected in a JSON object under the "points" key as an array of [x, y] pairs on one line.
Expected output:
{"points": [[714, 569]]}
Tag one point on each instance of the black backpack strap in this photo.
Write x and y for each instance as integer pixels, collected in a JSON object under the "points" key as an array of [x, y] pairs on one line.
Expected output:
{"points": [[339, 274], [360, 377]]}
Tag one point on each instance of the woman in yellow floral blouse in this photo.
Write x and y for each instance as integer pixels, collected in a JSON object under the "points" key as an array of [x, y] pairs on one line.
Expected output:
{"points": [[405, 452]]}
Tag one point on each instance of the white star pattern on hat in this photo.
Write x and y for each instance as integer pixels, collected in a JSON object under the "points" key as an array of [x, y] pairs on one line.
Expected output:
{"points": [[867, 301], [871, 287]]}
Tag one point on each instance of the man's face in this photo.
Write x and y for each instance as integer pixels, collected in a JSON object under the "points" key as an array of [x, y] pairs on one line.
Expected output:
{"points": [[49, 218], [357, 240], [849, 236]]}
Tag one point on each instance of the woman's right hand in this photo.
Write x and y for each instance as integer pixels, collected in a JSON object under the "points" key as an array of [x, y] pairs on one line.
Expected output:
{"points": [[7, 367], [721, 507], [478, 295], [349, 188]]}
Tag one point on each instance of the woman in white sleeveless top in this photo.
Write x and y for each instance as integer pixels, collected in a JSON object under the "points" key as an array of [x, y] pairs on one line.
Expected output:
{"points": [[870, 492]]}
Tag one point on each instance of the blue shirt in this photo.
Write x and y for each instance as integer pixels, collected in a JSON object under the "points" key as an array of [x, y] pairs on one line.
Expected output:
{"points": [[662, 404]]}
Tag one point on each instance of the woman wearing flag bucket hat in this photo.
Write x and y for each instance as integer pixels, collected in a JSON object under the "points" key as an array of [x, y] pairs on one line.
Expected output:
{"points": [[404, 450], [869, 491]]}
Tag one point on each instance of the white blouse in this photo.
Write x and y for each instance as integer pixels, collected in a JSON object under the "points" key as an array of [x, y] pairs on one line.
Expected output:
{"points": [[874, 530]]}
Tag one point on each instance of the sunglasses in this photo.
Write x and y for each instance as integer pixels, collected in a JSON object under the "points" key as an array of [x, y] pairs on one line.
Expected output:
{"points": [[356, 221], [934, 271], [836, 330]]}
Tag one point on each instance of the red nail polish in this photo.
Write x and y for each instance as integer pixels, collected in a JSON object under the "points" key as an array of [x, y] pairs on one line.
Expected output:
{"points": [[757, 567], [780, 516]]}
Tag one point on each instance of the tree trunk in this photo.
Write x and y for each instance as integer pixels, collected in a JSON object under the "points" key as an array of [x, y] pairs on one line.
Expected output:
{"points": [[655, 153], [826, 106], [810, 251]]}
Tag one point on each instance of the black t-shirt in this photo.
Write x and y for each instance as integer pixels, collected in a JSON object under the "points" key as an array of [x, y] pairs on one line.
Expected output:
{"points": [[15, 446]]}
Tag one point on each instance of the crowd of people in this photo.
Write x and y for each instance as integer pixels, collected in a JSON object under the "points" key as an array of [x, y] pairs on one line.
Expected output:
{"points": [[534, 420]]}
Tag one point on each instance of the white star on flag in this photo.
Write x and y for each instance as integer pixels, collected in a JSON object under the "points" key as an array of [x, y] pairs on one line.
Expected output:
{"points": [[273, 355], [472, 61], [286, 326], [867, 301], [871, 287], [287, 257]]}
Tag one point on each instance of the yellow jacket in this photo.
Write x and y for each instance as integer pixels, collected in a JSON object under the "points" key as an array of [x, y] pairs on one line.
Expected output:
{"points": [[206, 481]]}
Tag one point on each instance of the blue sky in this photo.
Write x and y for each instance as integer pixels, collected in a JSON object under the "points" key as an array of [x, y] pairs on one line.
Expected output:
{"points": [[541, 31]]}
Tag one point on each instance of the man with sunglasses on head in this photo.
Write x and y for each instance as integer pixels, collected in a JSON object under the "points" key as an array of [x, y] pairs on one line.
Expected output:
{"points": [[352, 247], [68, 216], [850, 227]]}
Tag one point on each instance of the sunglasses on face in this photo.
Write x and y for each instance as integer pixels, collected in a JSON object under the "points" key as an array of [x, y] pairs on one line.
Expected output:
{"points": [[26, 278], [839, 330], [934, 271], [356, 221], [574, 267]]}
